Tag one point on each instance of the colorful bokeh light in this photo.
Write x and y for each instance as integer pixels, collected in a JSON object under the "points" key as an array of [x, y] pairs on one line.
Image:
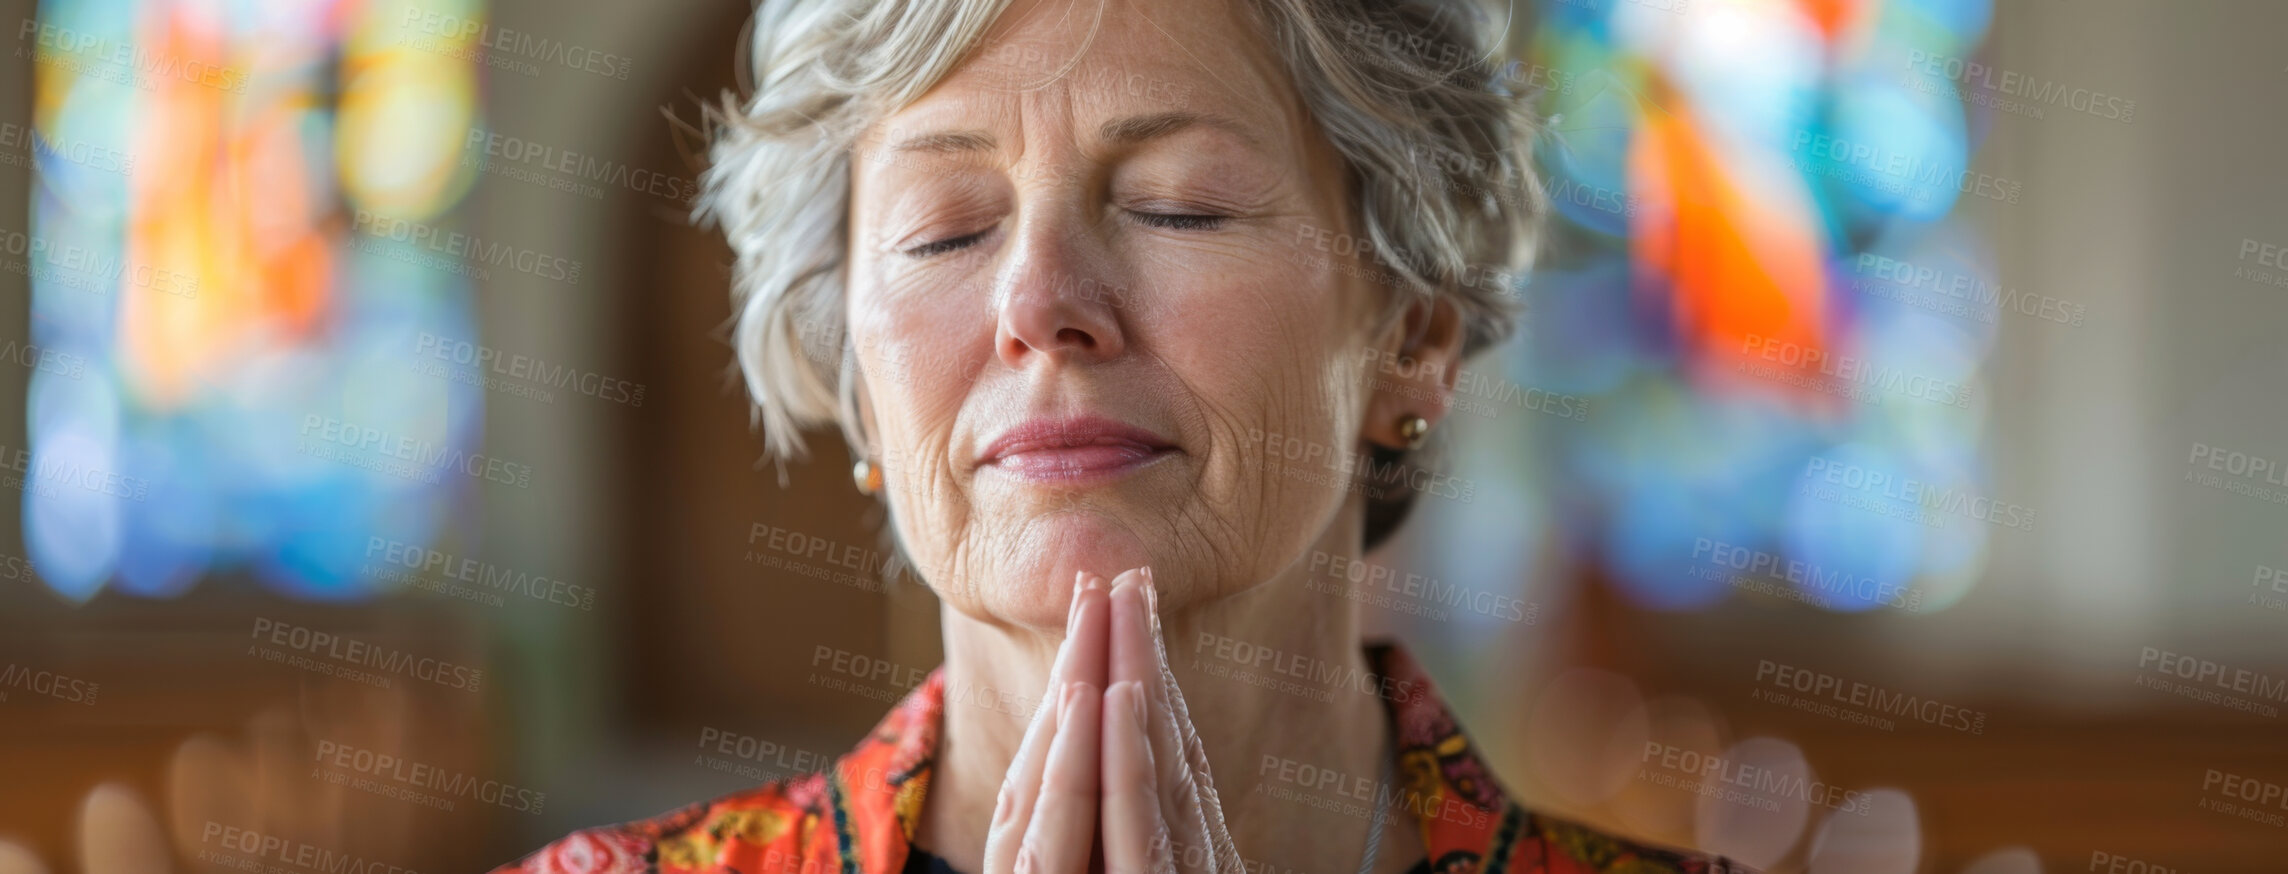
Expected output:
{"points": [[243, 405], [1752, 200]]}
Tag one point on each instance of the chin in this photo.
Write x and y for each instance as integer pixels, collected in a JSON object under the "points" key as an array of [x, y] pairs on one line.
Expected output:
{"points": [[1031, 582]]}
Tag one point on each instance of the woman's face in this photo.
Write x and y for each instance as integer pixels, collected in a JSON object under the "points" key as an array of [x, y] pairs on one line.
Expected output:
{"points": [[1095, 314]]}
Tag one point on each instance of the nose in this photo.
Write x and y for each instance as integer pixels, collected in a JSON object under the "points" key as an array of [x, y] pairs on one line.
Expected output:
{"points": [[1051, 303]]}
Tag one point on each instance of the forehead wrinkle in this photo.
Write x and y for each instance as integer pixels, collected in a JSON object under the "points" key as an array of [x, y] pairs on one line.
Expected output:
{"points": [[1252, 52]]}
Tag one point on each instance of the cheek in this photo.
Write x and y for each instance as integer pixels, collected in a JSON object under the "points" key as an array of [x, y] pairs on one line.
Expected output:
{"points": [[1267, 346], [919, 352], [1264, 357], [919, 356]]}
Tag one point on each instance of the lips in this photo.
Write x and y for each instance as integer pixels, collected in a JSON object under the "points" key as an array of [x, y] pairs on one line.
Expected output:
{"points": [[1074, 451]]}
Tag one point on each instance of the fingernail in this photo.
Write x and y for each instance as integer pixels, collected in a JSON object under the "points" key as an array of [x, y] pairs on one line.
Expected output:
{"points": [[1094, 583], [1080, 582]]}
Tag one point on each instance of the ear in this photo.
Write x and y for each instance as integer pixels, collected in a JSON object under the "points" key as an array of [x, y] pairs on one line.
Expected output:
{"points": [[1411, 370], [857, 414]]}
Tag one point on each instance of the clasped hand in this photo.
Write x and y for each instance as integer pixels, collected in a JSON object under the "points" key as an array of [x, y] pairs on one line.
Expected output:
{"points": [[1111, 771]]}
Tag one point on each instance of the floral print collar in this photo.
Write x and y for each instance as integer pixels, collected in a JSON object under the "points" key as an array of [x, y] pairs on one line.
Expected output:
{"points": [[859, 816]]}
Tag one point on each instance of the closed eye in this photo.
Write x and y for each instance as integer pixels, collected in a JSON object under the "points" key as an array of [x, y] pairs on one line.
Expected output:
{"points": [[941, 247], [1181, 222]]}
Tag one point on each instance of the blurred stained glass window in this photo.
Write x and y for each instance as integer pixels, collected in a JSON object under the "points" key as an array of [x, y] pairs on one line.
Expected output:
{"points": [[236, 234], [1759, 287]]}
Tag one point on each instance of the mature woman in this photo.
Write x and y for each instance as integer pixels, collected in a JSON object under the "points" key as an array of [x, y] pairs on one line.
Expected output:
{"points": [[1139, 312]]}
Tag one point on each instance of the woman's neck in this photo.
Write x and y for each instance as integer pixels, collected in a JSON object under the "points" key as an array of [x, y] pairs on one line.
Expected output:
{"points": [[1278, 688]]}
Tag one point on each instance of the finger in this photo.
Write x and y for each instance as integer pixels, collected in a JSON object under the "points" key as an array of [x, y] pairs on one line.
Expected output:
{"points": [[1136, 659], [1063, 830], [1137, 656], [1136, 839], [1013, 808], [1083, 633], [1197, 781], [1087, 587], [1205, 813], [1081, 658], [1133, 657]]}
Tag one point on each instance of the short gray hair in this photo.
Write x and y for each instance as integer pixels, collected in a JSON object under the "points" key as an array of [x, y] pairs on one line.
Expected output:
{"points": [[1408, 91]]}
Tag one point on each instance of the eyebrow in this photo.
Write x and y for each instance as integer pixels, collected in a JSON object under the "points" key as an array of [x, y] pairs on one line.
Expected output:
{"points": [[946, 142], [1138, 128], [1124, 131]]}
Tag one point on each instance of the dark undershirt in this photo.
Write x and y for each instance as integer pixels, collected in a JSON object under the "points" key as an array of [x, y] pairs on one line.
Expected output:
{"points": [[920, 861]]}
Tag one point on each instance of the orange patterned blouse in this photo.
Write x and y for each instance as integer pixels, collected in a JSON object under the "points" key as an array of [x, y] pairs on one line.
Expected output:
{"points": [[859, 816]]}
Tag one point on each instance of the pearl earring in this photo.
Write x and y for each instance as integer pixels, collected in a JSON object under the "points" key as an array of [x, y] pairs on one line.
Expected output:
{"points": [[1414, 429]]}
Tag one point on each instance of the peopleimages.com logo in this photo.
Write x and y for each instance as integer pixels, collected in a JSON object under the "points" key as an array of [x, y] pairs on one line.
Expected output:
{"points": [[125, 62], [423, 455], [2012, 91], [469, 249], [1861, 701], [246, 849], [1805, 361], [392, 775], [483, 575], [527, 368], [1802, 580], [1960, 293], [328, 648], [1918, 493], [62, 687], [517, 43]]}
